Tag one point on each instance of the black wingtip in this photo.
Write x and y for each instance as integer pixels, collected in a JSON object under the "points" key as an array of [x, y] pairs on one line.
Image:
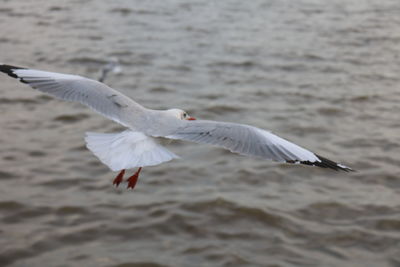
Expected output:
{"points": [[8, 69], [326, 163]]}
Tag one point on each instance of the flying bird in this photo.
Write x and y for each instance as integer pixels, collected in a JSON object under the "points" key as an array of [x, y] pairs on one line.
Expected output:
{"points": [[136, 147]]}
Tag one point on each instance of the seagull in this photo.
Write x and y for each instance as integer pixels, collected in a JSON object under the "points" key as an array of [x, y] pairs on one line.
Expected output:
{"points": [[136, 147], [112, 65]]}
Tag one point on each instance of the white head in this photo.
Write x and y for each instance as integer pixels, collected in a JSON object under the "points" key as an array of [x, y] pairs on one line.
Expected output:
{"points": [[180, 114]]}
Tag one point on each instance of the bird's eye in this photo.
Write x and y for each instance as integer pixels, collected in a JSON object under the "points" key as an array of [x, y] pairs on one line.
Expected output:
{"points": [[185, 115]]}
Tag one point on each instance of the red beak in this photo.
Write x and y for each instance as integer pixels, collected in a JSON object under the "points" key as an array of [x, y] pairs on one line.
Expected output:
{"points": [[191, 119]]}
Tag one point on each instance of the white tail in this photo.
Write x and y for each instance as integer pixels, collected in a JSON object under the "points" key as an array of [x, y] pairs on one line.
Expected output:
{"points": [[127, 150]]}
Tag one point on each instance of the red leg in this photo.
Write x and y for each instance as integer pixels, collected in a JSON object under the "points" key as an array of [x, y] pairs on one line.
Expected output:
{"points": [[133, 179], [119, 178]]}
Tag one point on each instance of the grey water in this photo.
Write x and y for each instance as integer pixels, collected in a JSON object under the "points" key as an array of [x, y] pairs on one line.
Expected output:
{"points": [[323, 74]]}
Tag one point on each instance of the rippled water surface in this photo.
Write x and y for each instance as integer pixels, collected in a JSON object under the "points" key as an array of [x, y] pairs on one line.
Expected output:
{"points": [[324, 74]]}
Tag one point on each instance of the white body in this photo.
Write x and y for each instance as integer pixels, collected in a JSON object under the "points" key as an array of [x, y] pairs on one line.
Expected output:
{"points": [[127, 150]]}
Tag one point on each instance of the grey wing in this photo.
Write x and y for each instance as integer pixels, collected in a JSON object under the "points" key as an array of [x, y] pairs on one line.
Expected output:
{"points": [[250, 141], [94, 94]]}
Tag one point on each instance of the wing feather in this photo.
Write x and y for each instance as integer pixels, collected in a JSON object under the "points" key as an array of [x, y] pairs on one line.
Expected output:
{"points": [[94, 94], [250, 141]]}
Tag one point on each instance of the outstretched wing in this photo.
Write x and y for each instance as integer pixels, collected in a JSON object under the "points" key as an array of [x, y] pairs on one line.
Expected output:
{"points": [[94, 94], [250, 141]]}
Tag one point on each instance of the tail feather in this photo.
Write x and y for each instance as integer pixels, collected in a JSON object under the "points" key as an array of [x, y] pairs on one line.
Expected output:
{"points": [[127, 150]]}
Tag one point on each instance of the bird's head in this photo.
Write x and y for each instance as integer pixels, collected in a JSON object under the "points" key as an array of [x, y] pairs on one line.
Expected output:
{"points": [[180, 114]]}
